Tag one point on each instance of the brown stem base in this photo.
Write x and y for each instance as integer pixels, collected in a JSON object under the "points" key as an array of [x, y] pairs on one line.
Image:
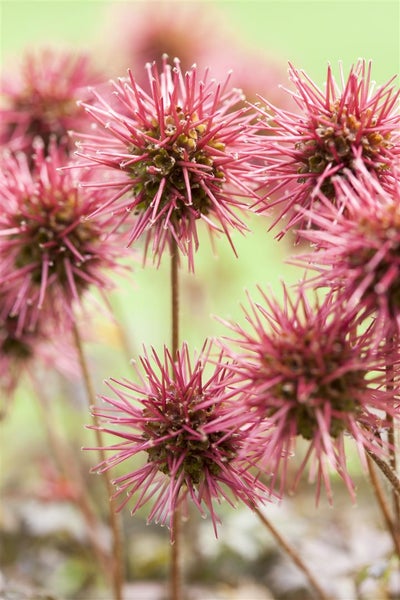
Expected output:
{"points": [[117, 555], [293, 554]]}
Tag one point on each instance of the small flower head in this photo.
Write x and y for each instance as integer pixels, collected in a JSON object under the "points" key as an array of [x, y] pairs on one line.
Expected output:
{"points": [[20, 347], [336, 126], [50, 251], [305, 372], [182, 155], [358, 247], [142, 34], [16, 350], [42, 99], [190, 432]]}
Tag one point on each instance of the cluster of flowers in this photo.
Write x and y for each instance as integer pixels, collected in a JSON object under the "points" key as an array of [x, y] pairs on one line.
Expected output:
{"points": [[51, 253], [158, 160]]}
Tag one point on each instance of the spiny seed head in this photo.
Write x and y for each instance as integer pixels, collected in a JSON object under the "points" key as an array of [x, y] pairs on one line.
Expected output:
{"points": [[22, 345], [358, 247], [306, 372], [191, 431], [51, 252], [41, 99], [183, 153], [335, 127]]}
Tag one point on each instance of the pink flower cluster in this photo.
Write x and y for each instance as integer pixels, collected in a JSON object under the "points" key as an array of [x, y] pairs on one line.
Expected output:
{"points": [[153, 161], [50, 252]]}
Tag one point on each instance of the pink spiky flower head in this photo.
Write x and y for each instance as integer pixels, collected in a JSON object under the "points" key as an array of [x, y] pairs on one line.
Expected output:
{"points": [[181, 154], [50, 251], [358, 247], [41, 100], [345, 121], [305, 372], [191, 434]]}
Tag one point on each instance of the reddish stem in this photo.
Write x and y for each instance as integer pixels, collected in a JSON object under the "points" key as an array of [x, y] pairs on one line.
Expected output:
{"points": [[175, 572], [293, 554], [117, 555]]}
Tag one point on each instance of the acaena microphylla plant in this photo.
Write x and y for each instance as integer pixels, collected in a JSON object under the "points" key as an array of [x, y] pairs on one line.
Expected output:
{"points": [[346, 120], [40, 98], [179, 153], [357, 247], [189, 430], [51, 253], [306, 373]]}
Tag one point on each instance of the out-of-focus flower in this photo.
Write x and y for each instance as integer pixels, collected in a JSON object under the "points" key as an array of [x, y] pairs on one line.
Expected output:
{"points": [[16, 350], [53, 486], [41, 99], [181, 153], [140, 33], [359, 246], [22, 347], [306, 373], [192, 432], [50, 251], [256, 75], [337, 125]]}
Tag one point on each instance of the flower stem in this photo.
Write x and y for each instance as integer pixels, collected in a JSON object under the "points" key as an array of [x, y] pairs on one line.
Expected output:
{"points": [[176, 567], [175, 572], [382, 503], [117, 555], [293, 554], [388, 473], [66, 464], [124, 341], [175, 299], [392, 347]]}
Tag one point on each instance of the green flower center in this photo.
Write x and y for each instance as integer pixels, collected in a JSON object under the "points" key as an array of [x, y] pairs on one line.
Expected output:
{"points": [[387, 229], [163, 162], [333, 144], [198, 452], [10, 345], [307, 384], [45, 236]]}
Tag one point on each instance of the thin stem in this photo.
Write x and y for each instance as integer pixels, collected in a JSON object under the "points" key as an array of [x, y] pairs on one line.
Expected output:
{"points": [[293, 554], [388, 472], [176, 570], [125, 343], [391, 343], [382, 504], [66, 464], [176, 567], [175, 299], [117, 555]]}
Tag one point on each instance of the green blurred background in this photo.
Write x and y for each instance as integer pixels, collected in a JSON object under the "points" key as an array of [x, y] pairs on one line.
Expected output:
{"points": [[309, 33]]}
